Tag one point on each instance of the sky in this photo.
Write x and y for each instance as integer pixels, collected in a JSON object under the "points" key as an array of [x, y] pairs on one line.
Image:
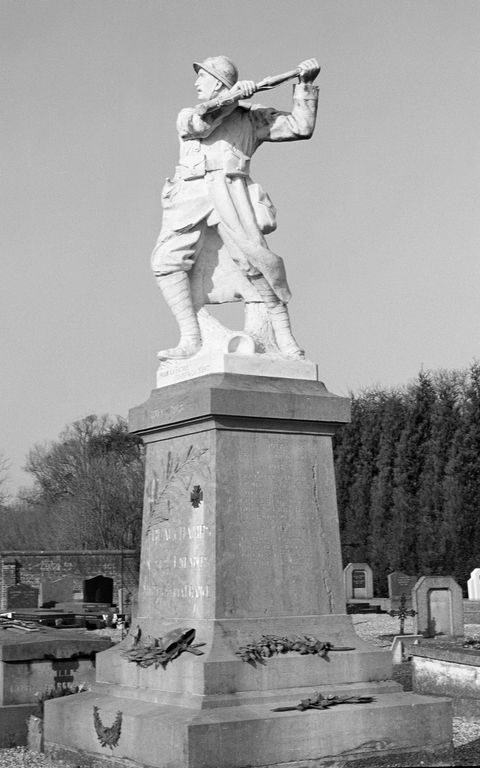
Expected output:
{"points": [[378, 214]]}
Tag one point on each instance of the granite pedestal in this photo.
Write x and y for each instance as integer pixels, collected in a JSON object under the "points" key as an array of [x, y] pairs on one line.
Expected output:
{"points": [[241, 539]]}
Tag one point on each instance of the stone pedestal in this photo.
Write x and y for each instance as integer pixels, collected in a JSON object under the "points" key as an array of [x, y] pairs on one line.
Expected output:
{"points": [[240, 539]]}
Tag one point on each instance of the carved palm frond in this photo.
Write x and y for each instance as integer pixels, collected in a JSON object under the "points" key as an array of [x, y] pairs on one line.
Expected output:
{"points": [[177, 478], [108, 736]]}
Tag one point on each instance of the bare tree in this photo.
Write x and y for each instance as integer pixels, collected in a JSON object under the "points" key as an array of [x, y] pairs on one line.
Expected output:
{"points": [[91, 478], [4, 467]]}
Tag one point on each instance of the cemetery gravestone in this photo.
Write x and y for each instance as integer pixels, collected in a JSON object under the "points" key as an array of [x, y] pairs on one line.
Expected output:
{"points": [[21, 596], [358, 581], [400, 584], [438, 602], [59, 591], [36, 662], [471, 606], [473, 585]]}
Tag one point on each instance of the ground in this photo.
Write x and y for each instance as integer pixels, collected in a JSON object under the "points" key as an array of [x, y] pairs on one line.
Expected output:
{"points": [[377, 629]]}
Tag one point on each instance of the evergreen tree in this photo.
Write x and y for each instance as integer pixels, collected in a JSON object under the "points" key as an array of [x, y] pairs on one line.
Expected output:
{"points": [[410, 464], [355, 496], [392, 422], [346, 446], [408, 472], [462, 485], [435, 541]]}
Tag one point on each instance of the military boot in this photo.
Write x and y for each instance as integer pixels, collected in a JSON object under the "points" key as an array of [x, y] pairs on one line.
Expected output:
{"points": [[176, 291], [278, 314]]}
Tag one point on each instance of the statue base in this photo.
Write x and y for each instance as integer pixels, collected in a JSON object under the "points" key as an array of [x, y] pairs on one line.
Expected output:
{"points": [[241, 540], [208, 362], [251, 352]]}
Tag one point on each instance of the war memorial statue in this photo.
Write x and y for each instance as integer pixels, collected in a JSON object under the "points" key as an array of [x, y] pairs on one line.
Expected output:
{"points": [[212, 195], [241, 653]]}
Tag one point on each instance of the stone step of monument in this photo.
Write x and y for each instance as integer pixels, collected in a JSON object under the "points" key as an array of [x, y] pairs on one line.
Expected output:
{"points": [[207, 676], [245, 697], [112, 731]]}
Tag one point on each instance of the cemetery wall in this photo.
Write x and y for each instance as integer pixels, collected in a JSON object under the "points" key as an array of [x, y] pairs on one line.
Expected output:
{"points": [[32, 567]]}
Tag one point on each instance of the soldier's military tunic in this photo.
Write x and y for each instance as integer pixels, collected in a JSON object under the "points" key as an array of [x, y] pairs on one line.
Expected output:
{"points": [[212, 186]]}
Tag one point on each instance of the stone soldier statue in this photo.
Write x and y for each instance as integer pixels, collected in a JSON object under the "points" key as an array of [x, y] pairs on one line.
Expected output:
{"points": [[212, 188]]}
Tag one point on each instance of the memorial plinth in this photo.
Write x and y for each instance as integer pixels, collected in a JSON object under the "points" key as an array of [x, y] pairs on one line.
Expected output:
{"points": [[240, 539]]}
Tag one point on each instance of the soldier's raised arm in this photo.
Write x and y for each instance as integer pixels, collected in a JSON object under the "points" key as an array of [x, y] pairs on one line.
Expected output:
{"points": [[278, 125]]}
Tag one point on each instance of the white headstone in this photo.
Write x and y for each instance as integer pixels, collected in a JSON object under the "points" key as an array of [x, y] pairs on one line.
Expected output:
{"points": [[473, 585], [358, 581]]}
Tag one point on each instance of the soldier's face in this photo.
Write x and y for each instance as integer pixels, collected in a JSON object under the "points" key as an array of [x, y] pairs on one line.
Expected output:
{"points": [[206, 85]]}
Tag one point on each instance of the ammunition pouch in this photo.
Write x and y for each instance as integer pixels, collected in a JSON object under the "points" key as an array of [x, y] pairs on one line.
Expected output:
{"points": [[263, 208], [191, 171], [236, 163]]}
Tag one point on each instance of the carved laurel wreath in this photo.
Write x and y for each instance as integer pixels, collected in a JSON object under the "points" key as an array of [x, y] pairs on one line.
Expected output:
{"points": [[318, 701], [270, 645], [108, 736], [159, 651]]}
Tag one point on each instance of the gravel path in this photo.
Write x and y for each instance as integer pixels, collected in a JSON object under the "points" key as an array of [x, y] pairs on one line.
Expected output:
{"points": [[374, 627], [20, 757], [377, 629]]}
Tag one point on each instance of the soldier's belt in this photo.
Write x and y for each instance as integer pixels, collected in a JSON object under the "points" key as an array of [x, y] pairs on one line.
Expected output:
{"points": [[230, 164], [190, 172], [198, 170]]}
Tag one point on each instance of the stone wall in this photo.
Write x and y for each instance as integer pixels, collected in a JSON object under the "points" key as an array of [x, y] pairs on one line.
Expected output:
{"points": [[32, 567]]}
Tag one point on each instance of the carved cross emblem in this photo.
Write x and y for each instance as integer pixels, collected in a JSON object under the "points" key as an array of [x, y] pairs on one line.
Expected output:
{"points": [[196, 496]]}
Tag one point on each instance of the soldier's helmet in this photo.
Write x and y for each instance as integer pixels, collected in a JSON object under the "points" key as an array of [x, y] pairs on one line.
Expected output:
{"points": [[220, 67]]}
